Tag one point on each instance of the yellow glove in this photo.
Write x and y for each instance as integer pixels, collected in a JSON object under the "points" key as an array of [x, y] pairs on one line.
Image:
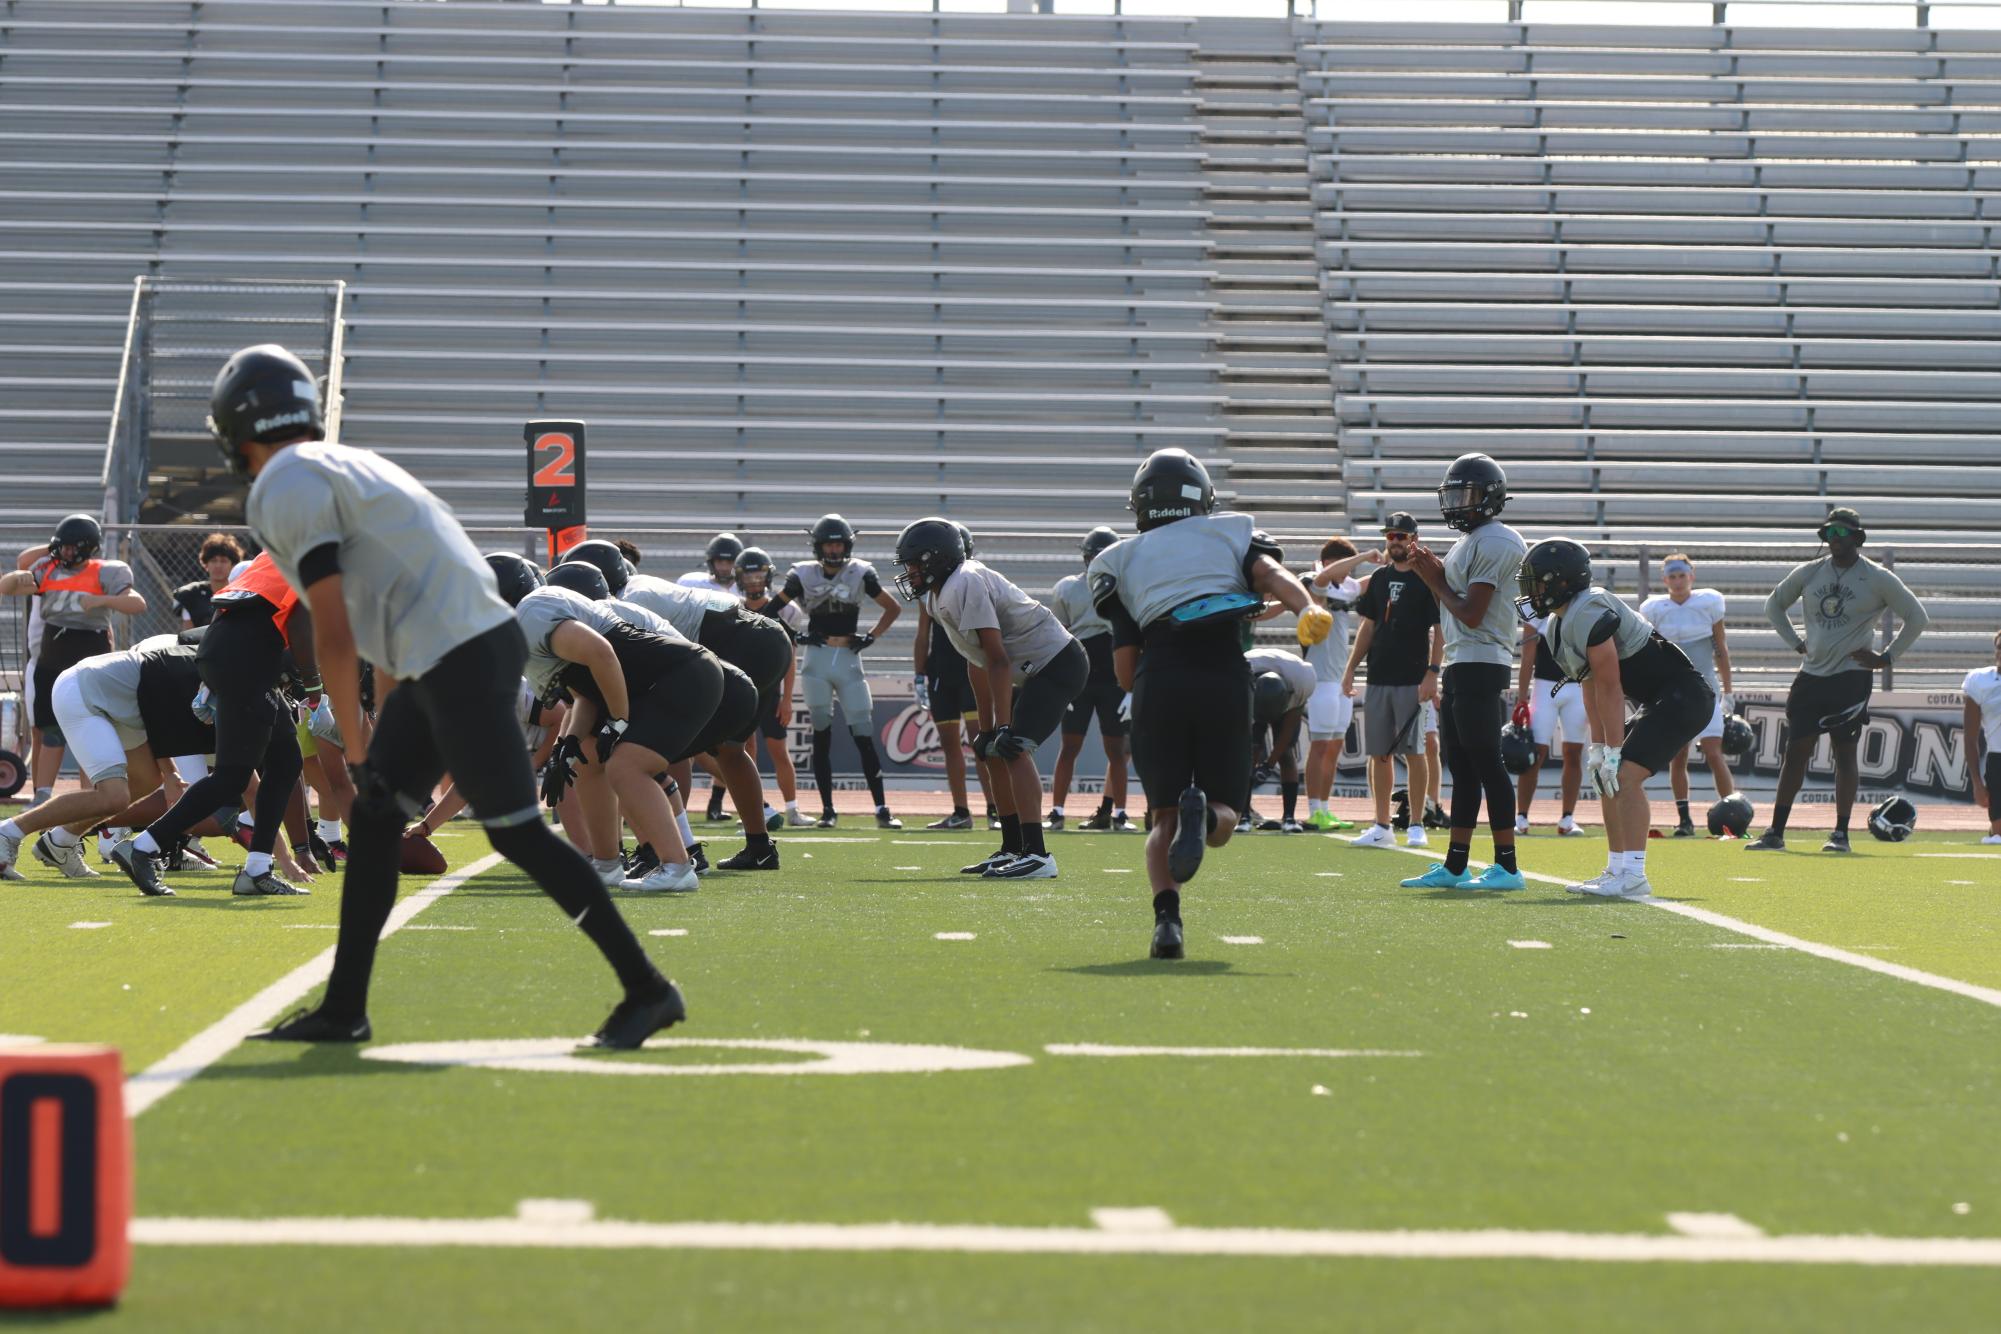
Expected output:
{"points": [[1315, 624]]}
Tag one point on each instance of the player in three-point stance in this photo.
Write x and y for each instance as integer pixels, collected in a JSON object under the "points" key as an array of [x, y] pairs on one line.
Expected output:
{"points": [[1024, 667], [390, 577], [1619, 658], [1177, 596], [1844, 593], [1479, 625]]}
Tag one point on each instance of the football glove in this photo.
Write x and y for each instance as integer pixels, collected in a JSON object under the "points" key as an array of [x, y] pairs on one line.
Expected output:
{"points": [[1004, 743], [1126, 708], [860, 642], [314, 849], [921, 688], [320, 722], [1602, 763], [609, 733], [1520, 716], [813, 639], [1315, 624], [561, 770], [203, 707]]}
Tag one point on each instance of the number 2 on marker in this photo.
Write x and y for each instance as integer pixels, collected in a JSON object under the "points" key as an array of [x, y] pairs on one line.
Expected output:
{"points": [[556, 471]]}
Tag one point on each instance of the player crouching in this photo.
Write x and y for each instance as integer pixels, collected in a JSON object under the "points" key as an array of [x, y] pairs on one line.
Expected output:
{"points": [[1598, 640]]}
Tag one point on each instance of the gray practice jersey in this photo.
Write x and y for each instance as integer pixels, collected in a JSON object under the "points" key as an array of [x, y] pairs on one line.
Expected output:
{"points": [[1300, 676], [1073, 607], [974, 598], [1690, 626], [415, 586], [1176, 563], [1842, 608], [543, 612], [108, 685], [680, 605], [1568, 633], [1490, 554], [62, 589], [1330, 656], [832, 601]]}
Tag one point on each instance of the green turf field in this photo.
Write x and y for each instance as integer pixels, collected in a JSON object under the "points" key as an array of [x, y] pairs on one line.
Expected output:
{"points": [[1470, 1105]]}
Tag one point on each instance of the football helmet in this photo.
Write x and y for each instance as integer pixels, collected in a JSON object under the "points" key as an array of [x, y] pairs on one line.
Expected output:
{"points": [[610, 563], [1894, 819], [1737, 736], [1095, 541], [1732, 815], [263, 393], [580, 576], [1474, 491], [1517, 749], [926, 554], [1172, 484], [81, 534], [515, 573], [753, 561], [1554, 571], [832, 528]]}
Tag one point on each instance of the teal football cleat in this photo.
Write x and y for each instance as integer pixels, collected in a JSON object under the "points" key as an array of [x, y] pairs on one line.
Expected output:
{"points": [[1438, 878], [1496, 877]]}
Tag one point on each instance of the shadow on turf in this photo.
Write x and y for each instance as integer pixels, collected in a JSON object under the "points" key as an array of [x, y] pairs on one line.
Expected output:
{"points": [[311, 1061], [1163, 968]]}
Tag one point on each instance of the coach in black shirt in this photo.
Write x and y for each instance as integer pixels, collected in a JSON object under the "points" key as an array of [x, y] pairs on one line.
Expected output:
{"points": [[1401, 639]]}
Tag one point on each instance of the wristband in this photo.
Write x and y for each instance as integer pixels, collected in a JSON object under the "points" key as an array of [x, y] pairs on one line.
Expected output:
{"points": [[1430, 667]]}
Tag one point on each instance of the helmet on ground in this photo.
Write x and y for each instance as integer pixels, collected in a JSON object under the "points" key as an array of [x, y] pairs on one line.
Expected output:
{"points": [[1732, 815], [1894, 819]]}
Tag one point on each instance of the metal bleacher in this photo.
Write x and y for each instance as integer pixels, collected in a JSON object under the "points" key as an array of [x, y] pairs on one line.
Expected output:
{"points": [[1692, 283], [781, 263]]}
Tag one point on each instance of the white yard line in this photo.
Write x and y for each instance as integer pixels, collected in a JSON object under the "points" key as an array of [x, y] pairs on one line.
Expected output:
{"points": [[216, 1041], [1099, 1049], [1492, 1244], [1970, 990]]}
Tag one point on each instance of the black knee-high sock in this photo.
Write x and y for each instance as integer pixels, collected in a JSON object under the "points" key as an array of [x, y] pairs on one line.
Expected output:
{"points": [[1288, 792], [1011, 833], [567, 878], [823, 766], [1031, 837], [1681, 809], [367, 893], [871, 766]]}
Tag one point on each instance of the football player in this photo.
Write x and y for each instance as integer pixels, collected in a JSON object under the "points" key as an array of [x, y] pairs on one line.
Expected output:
{"points": [[718, 574], [1620, 659], [1844, 593], [1543, 705], [753, 580], [78, 592], [1103, 698], [831, 587], [258, 620], [1177, 596], [1025, 669], [757, 645], [1691, 619], [1479, 629], [1332, 707], [1282, 689], [219, 555], [388, 575], [1982, 712], [122, 713], [945, 691]]}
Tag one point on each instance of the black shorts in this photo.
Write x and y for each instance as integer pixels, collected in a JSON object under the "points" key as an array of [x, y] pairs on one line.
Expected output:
{"points": [[459, 718], [1102, 694], [240, 658], [1664, 728], [757, 645], [1041, 700], [734, 717], [945, 677], [167, 687], [1837, 705], [773, 724], [1990, 774], [672, 706], [1192, 715], [61, 650]]}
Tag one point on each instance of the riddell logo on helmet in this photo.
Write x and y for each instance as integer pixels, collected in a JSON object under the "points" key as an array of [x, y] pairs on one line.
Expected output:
{"points": [[303, 417]]}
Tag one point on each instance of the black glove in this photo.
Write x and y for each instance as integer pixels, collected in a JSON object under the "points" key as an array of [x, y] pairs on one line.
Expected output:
{"points": [[610, 732], [979, 743], [561, 770], [1004, 743], [812, 639], [315, 849], [860, 642]]}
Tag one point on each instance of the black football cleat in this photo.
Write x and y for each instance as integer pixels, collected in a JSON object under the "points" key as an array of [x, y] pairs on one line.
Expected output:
{"points": [[1184, 855], [827, 820], [642, 860], [697, 858], [765, 859], [998, 857], [143, 868], [637, 1018], [1101, 822], [1769, 841], [1055, 821], [1166, 939], [1686, 829], [955, 821], [316, 1026], [884, 820], [1836, 842]]}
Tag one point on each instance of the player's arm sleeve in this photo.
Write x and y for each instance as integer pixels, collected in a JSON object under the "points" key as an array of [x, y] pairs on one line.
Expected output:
{"points": [[1105, 597], [870, 584], [1778, 606], [1261, 544], [1908, 609], [1602, 629], [318, 563]]}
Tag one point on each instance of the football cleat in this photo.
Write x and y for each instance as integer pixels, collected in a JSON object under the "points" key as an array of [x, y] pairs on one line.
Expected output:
{"points": [[1686, 829], [1184, 854], [1992, 838], [11, 872], [1121, 824], [338, 847], [1099, 823], [666, 878], [1434, 815], [267, 885], [716, 815], [826, 821], [143, 867], [1521, 825], [1375, 836], [637, 1018], [993, 818], [1028, 866], [957, 820], [1415, 837], [884, 820], [1621, 884], [1567, 828], [1291, 827], [1166, 939], [1270, 826], [1322, 820], [765, 859], [1496, 877], [10, 853], [1437, 877], [69, 860], [1055, 820], [1836, 842], [994, 858], [315, 1026], [611, 872], [1769, 841], [698, 858]]}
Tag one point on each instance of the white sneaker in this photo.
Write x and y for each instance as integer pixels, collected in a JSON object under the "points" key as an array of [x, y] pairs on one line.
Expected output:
{"points": [[1028, 866], [1992, 838], [1521, 825], [1567, 828], [610, 871], [10, 855], [1616, 885], [1376, 836], [1595, 885], [67, 859], [666, 878], [1415, 837]]}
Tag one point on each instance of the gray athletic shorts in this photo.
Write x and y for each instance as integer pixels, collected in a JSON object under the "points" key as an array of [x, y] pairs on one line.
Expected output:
{"points": [[1392, 720]]}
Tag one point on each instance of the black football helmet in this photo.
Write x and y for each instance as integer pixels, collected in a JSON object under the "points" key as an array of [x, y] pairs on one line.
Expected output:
{"points": [[515, 573], [1270, 697], [724, 546], [1732, 815], [965, 536], [1517, 749], [81, 534], [1172, 484], [1097, 540], [265, 394], [1737, 736], [832, 528], [1400, 809], [1554, 571], [926, 554], [580, 576], [753, 561], [607, 557], [1894, 819], [1474, 491]]}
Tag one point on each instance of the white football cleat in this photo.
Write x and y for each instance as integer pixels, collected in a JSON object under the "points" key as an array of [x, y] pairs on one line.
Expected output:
{"points": [[1521, 825], [65, 858], [1376, 836], [1616, 885], [610, 871], [1567, 828], [666, 878], [1595, 885], [1028, 866], [1415, 837], [1992, 838]]}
